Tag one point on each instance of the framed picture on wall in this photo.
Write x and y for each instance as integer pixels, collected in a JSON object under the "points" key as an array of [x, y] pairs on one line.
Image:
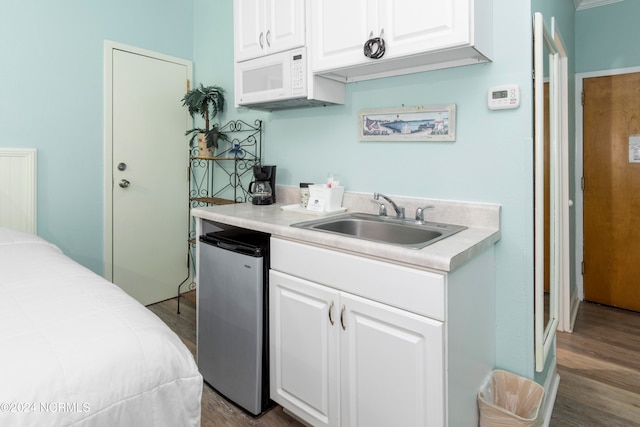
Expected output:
{"points": [[423, 123]]}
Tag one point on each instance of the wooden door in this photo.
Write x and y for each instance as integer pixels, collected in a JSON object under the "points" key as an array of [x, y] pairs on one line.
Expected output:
{"points": [[149, 194], [611, 191], [547, 211]]}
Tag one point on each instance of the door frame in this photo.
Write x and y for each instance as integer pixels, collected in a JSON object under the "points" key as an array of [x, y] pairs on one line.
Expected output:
{"points": [[109, 47], [579, 172]]}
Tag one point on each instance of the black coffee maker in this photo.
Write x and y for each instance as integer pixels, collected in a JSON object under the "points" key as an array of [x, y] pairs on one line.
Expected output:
{"points": [[263, 188]]}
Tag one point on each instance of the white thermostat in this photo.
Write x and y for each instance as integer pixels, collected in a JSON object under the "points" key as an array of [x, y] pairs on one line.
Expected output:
{"points": [[503, 97]]}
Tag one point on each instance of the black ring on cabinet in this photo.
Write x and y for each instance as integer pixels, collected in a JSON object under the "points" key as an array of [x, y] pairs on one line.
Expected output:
{"points": [[374, 48]]}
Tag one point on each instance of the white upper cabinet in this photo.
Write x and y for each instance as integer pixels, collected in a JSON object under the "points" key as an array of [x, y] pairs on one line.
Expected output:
{"points": [[262, 27], [418, 35]]}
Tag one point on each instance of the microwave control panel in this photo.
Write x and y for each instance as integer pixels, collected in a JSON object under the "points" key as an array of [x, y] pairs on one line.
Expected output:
{"points": [[297, 72]]}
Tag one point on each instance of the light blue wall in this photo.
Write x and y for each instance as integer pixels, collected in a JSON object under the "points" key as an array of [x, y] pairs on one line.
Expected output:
{"points": [[51, 98], [490, 161], [608, 37]]}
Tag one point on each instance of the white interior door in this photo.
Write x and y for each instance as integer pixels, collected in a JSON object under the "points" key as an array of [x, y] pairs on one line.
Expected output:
{"points": [[147, 188]]}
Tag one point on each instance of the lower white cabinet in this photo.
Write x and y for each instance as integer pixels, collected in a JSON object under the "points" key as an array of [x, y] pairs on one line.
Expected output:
{"points": [[339, 359], [304, 371], [358, 341]]}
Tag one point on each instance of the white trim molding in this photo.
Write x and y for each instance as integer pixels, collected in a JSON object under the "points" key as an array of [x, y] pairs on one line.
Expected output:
{"points": [[587, 4]]}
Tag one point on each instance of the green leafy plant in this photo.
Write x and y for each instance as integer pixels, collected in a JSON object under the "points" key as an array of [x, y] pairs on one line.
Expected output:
{"points": [[207, 102]]}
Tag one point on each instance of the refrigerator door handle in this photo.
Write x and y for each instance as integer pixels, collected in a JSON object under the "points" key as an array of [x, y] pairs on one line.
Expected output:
{"points": [[227, 246]]}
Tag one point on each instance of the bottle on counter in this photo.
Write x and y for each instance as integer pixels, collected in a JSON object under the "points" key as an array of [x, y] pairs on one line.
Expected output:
{"points": [[304, 194]]}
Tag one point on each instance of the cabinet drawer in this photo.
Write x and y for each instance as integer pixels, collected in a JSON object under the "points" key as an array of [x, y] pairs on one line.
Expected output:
{"points": [[418, 291]]}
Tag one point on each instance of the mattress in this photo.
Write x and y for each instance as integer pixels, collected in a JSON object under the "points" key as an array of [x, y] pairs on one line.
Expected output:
{"points": [[76, 350]]}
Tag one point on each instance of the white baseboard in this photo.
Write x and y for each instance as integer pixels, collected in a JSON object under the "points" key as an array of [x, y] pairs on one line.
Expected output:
{"points": [[575, 304], [550, 393]]}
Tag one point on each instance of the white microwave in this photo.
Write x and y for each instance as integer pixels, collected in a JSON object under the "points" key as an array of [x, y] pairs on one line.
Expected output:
{"points": [[283, 80]]}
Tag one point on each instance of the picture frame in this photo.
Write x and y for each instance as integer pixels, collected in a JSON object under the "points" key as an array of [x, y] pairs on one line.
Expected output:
{"points": [[419, 123]]}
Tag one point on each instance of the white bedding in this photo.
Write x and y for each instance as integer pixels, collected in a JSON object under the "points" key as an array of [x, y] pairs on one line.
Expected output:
{"points": [[76, 350]]}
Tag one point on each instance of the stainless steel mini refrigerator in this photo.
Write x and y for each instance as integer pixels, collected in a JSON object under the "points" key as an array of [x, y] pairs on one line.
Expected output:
{"points": [[232, 316]]}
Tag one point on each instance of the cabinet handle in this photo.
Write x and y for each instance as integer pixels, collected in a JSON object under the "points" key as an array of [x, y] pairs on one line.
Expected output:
{"points": [[342, 318], [330, 310], [268, 38], [260, 37], [374, 47]]}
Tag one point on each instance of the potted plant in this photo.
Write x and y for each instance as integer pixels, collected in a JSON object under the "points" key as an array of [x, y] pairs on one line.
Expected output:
{"points": [[205, 101]]}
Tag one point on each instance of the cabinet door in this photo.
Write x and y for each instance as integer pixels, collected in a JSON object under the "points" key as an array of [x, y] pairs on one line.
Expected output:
{"points": [[392, 366], [339, 30], [262, 27], [304, 348], [285, 25], [416, 26], [248, 28], [408, 27]]}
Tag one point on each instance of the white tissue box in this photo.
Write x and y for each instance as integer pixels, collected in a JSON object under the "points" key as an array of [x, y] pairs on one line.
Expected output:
{"points": [[325, 199]]}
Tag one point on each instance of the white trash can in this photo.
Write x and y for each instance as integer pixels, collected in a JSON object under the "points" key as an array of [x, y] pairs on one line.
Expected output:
{"points": [[508, 400]]}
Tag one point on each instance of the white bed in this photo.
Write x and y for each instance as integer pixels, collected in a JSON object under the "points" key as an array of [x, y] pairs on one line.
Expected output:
{"points": [[76, 350]]}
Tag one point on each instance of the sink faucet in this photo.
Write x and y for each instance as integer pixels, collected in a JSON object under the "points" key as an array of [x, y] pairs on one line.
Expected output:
{"points": [[420, 212], [382, 209], [399, 209]]}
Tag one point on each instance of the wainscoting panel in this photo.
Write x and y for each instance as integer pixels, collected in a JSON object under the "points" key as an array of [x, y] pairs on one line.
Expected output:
{"points": [[18, 188]]}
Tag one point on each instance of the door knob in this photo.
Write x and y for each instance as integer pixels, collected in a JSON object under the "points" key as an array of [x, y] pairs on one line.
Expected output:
{"points": [[122, 166], [124, 183]]}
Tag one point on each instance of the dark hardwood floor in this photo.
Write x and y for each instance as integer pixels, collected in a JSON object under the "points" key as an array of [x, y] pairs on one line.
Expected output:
{"points": [[599, 367]]}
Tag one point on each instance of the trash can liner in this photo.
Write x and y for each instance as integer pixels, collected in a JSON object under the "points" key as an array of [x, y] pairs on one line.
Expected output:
{"points": [[508, 400]]}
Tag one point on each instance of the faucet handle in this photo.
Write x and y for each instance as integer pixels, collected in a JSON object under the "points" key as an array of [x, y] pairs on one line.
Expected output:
{"points": [[382, 209], [420, 212]]}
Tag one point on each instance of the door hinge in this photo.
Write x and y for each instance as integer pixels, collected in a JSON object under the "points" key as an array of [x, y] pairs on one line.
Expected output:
{"points": [[582, 267], [582, 98], [188, 85], [582, 183]]}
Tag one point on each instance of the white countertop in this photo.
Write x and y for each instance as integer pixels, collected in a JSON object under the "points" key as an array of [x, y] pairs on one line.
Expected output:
{"points": [[445, 255]]}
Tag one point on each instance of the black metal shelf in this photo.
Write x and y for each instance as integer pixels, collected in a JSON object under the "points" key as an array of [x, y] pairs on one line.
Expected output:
{"points": [[223, 178]]}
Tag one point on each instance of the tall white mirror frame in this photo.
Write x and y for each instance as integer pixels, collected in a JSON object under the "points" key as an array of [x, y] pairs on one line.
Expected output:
{"points": [[547, 67]]}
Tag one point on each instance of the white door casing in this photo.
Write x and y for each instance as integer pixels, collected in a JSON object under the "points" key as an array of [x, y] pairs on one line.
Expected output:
{"points": [[146, 223]]}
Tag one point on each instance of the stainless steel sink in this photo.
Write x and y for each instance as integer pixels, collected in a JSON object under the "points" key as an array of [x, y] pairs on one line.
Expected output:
{"points": [[403, 232]]}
